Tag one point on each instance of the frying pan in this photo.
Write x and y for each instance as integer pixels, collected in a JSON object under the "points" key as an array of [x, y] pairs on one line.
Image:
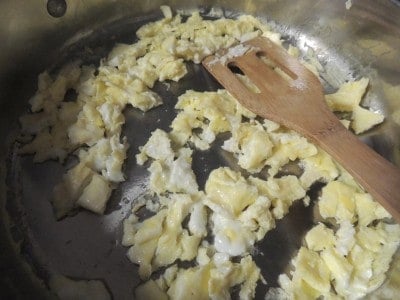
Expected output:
{"points": [[39, 35]]}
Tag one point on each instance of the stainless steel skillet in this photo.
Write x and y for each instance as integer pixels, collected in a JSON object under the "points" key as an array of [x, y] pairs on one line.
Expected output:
{"points": [[364, 40]]}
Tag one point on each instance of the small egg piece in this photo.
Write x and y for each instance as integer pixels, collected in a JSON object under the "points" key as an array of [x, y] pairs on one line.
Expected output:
{"points": [[95, 196]]}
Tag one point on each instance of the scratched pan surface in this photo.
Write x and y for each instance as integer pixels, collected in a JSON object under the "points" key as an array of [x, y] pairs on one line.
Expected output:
{"points": [[87, 246]]}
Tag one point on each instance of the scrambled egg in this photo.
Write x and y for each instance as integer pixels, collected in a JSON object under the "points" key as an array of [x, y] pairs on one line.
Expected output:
{"points": [[67, 192], [364, 119], [348, 99], [354, 265], [167, 173], [162, 239], [346, 256], [210, 280], [348, 96], [352, 258], [318, 167], [343, 201], [230, 190], [251, 145], [240, 214], [66, 288], [211, 112]]}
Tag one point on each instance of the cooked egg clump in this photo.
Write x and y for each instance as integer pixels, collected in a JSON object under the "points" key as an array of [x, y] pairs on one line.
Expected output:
{"points": [[66, 288], [162, 239], [169, 172], [210, 112], [345, 256], [211, 279], [354, 257], [240, 214], [348, 98]]}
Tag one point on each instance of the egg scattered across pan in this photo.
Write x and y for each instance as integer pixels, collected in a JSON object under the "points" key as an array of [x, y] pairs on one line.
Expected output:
{"points": [[346, 255]]}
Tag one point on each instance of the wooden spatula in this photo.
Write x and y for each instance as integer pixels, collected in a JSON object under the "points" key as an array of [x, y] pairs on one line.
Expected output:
{"points": [[297, 102]]}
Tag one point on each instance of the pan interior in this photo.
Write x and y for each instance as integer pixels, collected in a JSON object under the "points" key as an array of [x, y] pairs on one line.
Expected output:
{"points": [[87, 246]]}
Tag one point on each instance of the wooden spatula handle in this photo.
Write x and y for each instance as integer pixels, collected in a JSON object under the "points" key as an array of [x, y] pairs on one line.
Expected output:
{"points": [[377, 175]]}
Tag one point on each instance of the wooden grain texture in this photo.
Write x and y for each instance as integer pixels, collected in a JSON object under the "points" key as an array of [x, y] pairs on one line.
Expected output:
{"points": [[298, 103]]}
